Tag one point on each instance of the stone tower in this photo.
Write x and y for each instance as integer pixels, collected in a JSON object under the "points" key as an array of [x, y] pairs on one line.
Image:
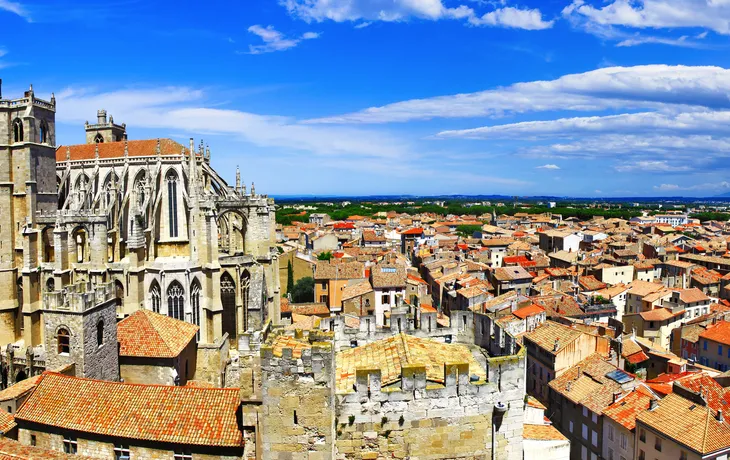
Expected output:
{"points": [[105, 131], [27, 187], [81, 329]]}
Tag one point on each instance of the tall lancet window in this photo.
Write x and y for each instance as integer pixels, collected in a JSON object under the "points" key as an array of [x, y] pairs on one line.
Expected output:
{"points": [[195, 304], [176, 301], [155, 297], [172, 202]]}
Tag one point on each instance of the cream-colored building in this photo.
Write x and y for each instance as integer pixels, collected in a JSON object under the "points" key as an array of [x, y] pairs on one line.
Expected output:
{"points": [[140, 224]]}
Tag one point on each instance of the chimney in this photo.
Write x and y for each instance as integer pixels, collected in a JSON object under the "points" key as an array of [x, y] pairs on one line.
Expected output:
{"points": [[557, 345], [101, 117], [616, 396], [653, 404], [720, 418]]}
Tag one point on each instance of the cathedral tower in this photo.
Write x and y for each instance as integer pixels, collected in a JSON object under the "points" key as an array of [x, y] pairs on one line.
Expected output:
{"points": [[27, 186]]}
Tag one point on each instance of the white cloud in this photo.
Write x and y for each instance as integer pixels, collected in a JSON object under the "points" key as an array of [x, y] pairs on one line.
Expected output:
{"points": [[275, 40], [656, 14], [548, 166], [649, 87], [15, 8], [528, 19], [403, 10], [700, 121], [712, 186], [615, 19], [652, 166]]}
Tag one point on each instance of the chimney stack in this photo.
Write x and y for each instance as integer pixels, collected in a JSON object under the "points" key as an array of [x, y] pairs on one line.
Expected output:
{"points": [[557, 345], [720, 417], [653, 404]]}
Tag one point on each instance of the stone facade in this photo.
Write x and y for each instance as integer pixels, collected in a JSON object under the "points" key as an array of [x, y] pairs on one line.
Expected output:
{"points": [[303, 416], [151, 218]]}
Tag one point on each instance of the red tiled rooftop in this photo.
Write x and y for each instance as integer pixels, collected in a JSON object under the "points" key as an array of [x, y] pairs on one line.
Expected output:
{"points": [[159, 413], [529, 310], [146, 334], [109, 150], [719, 332]]}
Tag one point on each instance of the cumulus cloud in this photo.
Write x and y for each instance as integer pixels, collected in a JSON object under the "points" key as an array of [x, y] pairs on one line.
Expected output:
{"points": [[620, 19], [275, 40], [403, 10], [640, 87], [548, 166], [656, 14], [528, 19]]}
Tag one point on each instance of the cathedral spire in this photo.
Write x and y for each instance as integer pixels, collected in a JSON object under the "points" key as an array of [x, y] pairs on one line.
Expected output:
{"points": [[253, 189], [238, 180]]}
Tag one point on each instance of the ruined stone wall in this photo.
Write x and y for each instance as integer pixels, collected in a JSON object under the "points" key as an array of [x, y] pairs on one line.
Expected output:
{"points": [[297, 411], [420, 420], [460, 330]]}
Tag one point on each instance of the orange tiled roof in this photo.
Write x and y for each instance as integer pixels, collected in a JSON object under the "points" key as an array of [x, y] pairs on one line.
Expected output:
{"points": [[108, 150], [173, 414], [7, 422], [530, 310], [542, 433], [625, 410], [19, 389], [719, 332], [146, 334], [688, 423]]}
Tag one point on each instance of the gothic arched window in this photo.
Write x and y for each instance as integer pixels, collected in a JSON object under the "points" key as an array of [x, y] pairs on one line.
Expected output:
{"points": [[99, 139], [155, 297], [172, 202], [17, 130], [64, 341], [195, 304], [176, 301], [43, 132]]}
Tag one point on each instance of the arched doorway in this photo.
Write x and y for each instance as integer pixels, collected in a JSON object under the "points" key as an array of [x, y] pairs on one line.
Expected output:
{"points": [[228, 299], [20, 376]]}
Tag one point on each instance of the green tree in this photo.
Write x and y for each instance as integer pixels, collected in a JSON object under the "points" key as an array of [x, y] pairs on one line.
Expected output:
{"points": [[327, 255], [289, 277], [303, 290], [467, 231]]}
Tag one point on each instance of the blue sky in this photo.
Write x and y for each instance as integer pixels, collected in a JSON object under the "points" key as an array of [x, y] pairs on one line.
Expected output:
{"points": [[357, 97]]}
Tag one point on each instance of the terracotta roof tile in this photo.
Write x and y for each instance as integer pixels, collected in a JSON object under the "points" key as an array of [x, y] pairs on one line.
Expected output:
{"points": [[146, 334], [625, 410], [547, 334], [719, 332], [7, 422], [542, 433], [173, 414], [688, 423], [108, 150], [19, 389]]}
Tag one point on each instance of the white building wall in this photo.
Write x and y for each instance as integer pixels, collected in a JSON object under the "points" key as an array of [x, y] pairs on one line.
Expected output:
{"points": [[546, 450]]}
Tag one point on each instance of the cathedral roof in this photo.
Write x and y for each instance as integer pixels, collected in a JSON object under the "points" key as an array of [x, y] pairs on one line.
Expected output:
{"points": [[146, 334], [160, 413], [109, 150]]}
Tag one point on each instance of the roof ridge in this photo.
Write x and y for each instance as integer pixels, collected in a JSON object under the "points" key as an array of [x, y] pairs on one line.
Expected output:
{"points": [[157, 329], [406, 348]]}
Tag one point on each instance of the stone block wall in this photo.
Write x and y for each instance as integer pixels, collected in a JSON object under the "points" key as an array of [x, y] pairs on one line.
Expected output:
{"points": [[420, 420], [297, 412]]}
